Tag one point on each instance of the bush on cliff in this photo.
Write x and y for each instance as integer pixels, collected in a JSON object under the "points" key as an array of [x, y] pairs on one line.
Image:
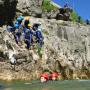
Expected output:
{"points": [[47, 6], [75, 18]]}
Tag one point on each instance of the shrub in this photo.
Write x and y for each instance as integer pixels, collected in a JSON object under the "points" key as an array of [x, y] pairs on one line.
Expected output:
{"points": [[47, 6], [75, 18]]}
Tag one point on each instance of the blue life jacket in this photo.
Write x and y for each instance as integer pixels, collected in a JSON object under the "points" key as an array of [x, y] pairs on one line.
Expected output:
{"points": [[24, 30], [28, 34], [38, 34]]}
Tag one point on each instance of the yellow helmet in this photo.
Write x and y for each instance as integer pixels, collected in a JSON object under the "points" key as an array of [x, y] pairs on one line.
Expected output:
{"points": [[27, 18], [29, 25]]}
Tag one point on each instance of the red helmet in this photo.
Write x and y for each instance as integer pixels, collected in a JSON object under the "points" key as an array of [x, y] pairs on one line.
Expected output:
{"points": [[45, 75], [54, 74]]}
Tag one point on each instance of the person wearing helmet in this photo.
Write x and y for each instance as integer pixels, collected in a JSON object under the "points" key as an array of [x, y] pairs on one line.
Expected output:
{"points": [[44, 77], [26, 22], [54, 76], [38, 35], [17, 34], [22, 18], [28, 34], [19, 21]]}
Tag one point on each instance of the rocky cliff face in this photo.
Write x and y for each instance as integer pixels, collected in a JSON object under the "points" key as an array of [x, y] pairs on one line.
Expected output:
{"points": [[30, 7], [66, 49], [66, 46], [12, 8]]}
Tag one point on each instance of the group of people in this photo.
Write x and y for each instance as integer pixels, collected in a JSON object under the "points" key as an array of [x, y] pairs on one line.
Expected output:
{"points": [[23, 28], [53, 76]]}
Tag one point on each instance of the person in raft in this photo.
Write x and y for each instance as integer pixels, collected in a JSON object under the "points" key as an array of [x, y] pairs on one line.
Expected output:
{"points": [[44, 77]]}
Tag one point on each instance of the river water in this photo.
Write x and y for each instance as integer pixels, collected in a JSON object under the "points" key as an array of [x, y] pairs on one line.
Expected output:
{"points": [[51, 85]]}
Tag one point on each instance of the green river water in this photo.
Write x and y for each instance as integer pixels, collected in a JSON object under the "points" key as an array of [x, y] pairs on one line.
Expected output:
{"points": [[51, 85]]}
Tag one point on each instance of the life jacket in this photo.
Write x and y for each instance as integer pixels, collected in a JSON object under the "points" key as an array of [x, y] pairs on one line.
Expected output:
{"points": [[38, 35], [28, 34]]}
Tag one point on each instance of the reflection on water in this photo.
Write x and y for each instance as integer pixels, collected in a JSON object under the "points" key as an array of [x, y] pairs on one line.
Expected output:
{"points": [[45, 89], [7, 88], [51, 85]]}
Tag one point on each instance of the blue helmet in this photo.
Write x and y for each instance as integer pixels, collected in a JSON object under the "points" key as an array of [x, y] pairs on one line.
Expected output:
{"points": [[19, 19], [16, 26]]}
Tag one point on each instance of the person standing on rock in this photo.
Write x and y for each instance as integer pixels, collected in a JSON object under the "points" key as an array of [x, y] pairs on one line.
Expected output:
{"points": [[18, 29], [28, 36], [38, 34]]}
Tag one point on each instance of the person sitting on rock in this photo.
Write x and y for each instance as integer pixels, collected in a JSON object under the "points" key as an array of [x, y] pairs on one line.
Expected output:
{"points": [[28, 36]]}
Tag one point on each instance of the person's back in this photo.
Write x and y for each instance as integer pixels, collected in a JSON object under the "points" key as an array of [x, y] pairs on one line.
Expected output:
{"points": [[38, 34]]}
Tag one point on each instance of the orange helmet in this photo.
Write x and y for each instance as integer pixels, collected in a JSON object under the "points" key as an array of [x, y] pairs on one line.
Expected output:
{"points": [[27, 18], [29, 25]]}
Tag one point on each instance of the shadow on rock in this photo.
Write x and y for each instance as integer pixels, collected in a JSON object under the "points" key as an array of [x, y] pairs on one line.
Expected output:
{"points": [[7, 10]]}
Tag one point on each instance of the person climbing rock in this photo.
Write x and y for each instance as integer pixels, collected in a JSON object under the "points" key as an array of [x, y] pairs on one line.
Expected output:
{"points": [[28, 36]]}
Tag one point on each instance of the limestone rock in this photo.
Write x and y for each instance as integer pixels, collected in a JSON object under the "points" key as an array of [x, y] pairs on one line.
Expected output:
{"points": [[66, 50]]}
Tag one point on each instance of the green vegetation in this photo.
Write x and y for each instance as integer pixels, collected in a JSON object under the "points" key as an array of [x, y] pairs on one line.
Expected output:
{"points": [[46, 71], [47, 6], [81, 20], [75, 18]]}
